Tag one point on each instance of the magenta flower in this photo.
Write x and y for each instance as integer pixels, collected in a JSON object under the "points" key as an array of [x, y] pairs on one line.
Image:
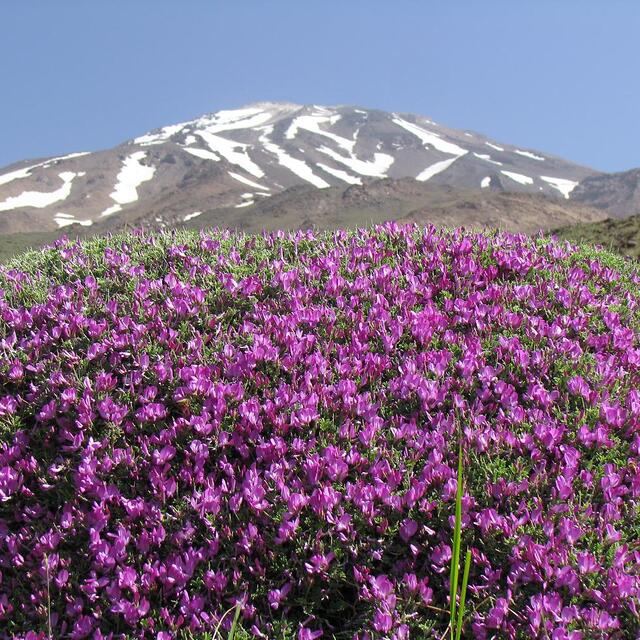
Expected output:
{"points": [[82, 627], [151, 412], [194, 421], [382, 621], [408, 529]]}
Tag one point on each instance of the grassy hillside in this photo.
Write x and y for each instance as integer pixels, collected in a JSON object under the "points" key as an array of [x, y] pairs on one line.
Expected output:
{"points": [[374, 202], [14, 244], [620, 236], [191, 423]]}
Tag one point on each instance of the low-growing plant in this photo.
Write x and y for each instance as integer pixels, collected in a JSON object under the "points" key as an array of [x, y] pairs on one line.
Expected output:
{"points": [[390, 433]]}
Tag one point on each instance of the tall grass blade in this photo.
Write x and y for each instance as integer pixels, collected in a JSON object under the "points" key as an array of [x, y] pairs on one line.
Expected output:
{"points": [[216, 631], [463, 593], [234, 625], [455, 553]]}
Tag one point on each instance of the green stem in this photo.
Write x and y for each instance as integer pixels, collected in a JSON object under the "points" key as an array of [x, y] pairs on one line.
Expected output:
{"points": [[463, 593], [455, 553], [234, 626]]}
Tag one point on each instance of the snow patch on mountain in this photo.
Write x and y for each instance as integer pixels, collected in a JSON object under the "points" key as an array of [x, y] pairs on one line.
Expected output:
{"points": [[487, 158], [132, 174], [26, 171], [338, 173], [296, 166], [485, 182], [435, 168], [251, 183], [564, 186], [203, 153], [518, 177], [231, 120], [17, 174], [429, 138], [376, 168], [312, 123], [41, 199], [161, 136], [528, 154], [234, 152], [111, 210], [66, 219], [247, 199]]}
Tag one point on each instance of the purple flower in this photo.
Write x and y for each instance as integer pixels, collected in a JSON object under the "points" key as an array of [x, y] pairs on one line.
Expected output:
{"points": [[497, 614], [10, 481], [274, 420], [382, 621], [111, 411], [613, 414], [164, 455], [307, 634], [276, 596], [408, 529], [82, 627], [151, 412]]}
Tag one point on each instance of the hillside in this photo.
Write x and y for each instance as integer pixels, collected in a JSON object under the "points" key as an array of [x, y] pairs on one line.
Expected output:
{"points": [[286, 424], [405, 200], [616, 193], [621, 236], [374, 201]]}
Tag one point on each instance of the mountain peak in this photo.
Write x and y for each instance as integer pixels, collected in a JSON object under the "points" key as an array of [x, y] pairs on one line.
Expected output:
{"points": [[235, 157]]}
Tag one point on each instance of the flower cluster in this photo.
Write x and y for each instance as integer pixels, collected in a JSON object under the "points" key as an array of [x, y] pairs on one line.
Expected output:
{"points": [[188, 422]]}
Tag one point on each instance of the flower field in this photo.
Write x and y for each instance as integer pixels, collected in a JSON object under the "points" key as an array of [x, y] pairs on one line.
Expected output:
{"points": [[190, 422]]}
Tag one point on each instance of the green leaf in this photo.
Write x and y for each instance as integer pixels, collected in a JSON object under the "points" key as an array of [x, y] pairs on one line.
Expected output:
{"points": [[463, 593]]}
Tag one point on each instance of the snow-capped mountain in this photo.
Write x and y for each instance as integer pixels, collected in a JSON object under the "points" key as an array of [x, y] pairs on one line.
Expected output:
{"points": [[236, 158]]}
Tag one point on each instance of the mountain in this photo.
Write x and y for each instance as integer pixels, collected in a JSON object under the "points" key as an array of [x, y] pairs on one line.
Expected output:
{"points": [[616, 193], [234, 161]]}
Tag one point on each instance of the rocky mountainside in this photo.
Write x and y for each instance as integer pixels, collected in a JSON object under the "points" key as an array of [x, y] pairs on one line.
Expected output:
{"points": [[616, 193], [404, 200], [237, 160]]}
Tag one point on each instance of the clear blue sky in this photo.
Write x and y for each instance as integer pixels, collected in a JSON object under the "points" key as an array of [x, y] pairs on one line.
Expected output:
{"points": [[560, 76]]}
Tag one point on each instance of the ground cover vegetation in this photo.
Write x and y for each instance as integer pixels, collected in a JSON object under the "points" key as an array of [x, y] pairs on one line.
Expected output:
{"points": [[285, 427], [617, 235]]}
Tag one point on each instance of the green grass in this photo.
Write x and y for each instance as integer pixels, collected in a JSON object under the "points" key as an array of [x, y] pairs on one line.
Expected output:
{"points": [[618, 236], [456, 623], [13, 244]]}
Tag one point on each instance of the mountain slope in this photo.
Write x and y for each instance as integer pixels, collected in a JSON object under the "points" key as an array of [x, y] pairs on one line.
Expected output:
{"points": [[617, 193], [403, 200], [621, 236], [232, 159]]}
